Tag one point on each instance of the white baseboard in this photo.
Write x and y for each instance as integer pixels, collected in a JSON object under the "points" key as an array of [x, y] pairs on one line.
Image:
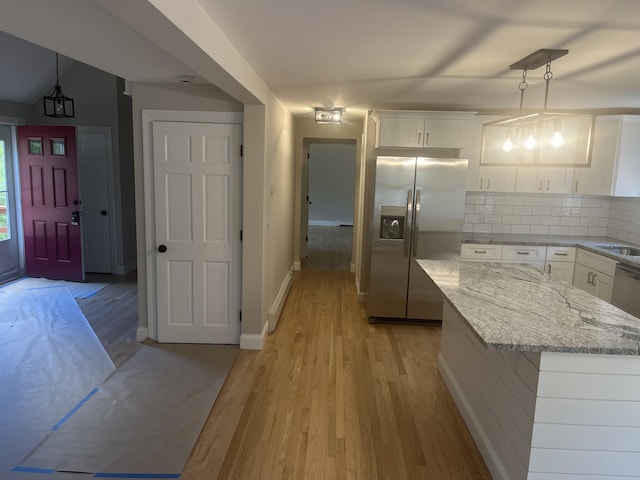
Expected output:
{"points": [[278, 303], [142, 334], [253, 341], [487, 451], [330, 223], [362, 296], [126, 268]]}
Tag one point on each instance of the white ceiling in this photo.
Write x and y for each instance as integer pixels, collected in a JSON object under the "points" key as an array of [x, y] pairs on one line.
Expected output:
{"points": [[409, 54]]}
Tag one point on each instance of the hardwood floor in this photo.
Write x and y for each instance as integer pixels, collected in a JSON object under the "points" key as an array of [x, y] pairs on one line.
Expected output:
{"points": [[331, 396], [113, 314], [328, 248]]}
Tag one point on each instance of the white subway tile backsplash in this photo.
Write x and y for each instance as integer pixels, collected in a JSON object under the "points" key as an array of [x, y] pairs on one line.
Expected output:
{"points": [[552, 201], [514, 200], [572, 201], [533, 200], [522, 210], [539, 230], [560, 231], [501, 229], [597, 232], [503, 209], [542, 211], [521, 229], [570, 221], [516, 213]]}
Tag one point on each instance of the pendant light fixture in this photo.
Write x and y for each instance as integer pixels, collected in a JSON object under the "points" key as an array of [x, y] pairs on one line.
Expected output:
{"points": [[57, 104], [538, 137]]}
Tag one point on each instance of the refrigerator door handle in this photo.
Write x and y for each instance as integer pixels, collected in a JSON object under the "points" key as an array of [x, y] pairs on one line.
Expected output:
{"points": [[416, 225], [407, 216]]}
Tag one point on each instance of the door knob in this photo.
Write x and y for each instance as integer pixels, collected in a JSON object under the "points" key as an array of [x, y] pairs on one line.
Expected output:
{"points": [[103, 212], [162, 248]]}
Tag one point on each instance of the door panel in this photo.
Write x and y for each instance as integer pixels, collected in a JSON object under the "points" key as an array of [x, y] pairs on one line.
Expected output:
{"points": [[50, 202], [94, 164], [391, 231], [439, 215], [197, 203], [10, 268]]}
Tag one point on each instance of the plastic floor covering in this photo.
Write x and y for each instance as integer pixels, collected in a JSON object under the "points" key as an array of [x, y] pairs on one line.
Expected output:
{"points": [[67, 413]]}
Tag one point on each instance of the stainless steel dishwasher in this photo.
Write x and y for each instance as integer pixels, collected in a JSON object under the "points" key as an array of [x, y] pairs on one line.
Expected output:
{"points": [[626, 289]]}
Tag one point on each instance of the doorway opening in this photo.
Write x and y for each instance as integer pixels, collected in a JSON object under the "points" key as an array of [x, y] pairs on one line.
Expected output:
{"points": [[330, 185]]}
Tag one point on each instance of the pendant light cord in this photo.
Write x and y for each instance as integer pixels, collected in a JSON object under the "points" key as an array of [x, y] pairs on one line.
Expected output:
{"points": [[548, 75], [523, 86]]}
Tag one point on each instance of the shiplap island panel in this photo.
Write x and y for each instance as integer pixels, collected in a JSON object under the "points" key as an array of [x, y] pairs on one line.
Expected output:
{"points": [[546, 376]]}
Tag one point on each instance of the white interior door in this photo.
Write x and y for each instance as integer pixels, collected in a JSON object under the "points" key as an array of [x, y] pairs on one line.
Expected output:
{"points": [[94, 171], [197, 175]]}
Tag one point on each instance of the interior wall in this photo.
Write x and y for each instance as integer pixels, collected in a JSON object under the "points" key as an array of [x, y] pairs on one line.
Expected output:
{"points": [[15, 110], [279, 200], [332, 181], [156, 96]]}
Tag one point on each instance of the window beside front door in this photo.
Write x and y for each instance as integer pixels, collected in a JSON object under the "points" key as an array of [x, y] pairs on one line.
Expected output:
{"points": [[5, 231]]}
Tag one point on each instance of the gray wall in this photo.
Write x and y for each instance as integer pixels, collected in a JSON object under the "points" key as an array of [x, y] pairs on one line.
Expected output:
{"points": [[332, 176]]}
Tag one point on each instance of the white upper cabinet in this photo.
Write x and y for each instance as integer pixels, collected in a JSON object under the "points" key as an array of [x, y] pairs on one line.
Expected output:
{"points": [[544, 180], [484, 178], [615, 161], [422, 129]]}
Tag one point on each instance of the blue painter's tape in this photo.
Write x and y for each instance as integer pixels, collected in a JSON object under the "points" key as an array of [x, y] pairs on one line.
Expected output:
{"points": [[47, 471], [74, 409], [137, 475]]}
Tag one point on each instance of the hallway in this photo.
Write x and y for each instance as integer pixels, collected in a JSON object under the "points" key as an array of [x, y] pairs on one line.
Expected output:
{"points": [[332, 397]]}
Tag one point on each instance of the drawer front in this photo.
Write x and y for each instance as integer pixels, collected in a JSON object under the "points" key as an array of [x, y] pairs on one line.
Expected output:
{"points": [[481, 252], [561, 254], [524, 253], [596, 262]]}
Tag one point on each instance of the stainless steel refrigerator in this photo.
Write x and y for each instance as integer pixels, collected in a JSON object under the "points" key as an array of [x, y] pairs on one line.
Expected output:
{"points": [[418, 213]]}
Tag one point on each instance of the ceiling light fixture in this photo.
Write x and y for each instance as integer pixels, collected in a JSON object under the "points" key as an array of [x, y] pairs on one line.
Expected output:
{"points": [[328, 115], [57, 104], [526, 134]]}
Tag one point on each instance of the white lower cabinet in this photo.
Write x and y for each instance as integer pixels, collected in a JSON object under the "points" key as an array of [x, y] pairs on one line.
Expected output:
{"points": [[480, 252], [594, 274], [560, 263], [532, 255]]}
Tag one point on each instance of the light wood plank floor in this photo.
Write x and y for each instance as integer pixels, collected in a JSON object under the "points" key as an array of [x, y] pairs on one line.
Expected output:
{"points": [[331, 396], [113, 314], [328, 248]]}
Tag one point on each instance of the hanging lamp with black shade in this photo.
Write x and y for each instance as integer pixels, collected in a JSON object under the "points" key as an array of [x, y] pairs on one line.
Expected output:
{"points": [[57, 104]]}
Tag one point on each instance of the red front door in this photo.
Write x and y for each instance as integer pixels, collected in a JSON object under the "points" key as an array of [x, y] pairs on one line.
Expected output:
{"points": [[50, 202]]}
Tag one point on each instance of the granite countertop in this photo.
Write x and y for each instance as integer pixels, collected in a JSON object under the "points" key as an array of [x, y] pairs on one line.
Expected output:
{"points": [[589, 243], [516, 307]]}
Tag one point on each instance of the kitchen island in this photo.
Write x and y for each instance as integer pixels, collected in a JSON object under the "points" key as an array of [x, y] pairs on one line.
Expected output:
{"points": [[546, 376]]}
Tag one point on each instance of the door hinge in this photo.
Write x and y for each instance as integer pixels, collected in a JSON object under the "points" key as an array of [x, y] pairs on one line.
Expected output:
{"points": [[240, 235], [242, 150], [308, 156], [306, 239], [240, 315]]}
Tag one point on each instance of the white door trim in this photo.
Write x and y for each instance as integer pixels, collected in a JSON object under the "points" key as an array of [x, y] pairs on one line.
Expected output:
{"points": [[148, 117]]}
